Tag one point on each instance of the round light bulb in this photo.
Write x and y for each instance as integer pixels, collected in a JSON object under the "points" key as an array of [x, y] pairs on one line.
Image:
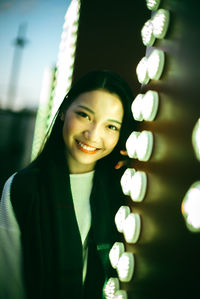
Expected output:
{"points": [[191, 207], [131, 228], [152, 4], [156, 64], [136, 107], [120, 294], [115, 253], [139, 186], [196, 139], [148, 37], [131, 144], [141, 71], [110, 288], [150, 105], [125, 266], [126, 180], [120, 217], [144, 145], [160, 23]]}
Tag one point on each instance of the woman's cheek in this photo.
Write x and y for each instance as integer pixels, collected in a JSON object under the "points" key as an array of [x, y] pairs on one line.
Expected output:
{"points": [[113, 142]]}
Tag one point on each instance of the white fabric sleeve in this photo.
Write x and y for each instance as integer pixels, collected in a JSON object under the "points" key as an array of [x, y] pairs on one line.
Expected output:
{"points": [[11, 278]]}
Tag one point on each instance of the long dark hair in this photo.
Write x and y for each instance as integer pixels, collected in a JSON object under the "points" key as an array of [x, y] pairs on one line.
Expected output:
{"points": [[94, 80]]}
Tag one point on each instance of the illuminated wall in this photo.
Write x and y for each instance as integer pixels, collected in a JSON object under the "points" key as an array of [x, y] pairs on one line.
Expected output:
{"points": [[163, 253]]}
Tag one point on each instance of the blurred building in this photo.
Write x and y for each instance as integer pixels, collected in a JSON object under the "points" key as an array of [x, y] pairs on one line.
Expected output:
{"points": [[16, 135]]}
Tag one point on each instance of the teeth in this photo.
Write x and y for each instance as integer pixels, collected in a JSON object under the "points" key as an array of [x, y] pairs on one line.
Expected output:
{"points": [[88, 148]]}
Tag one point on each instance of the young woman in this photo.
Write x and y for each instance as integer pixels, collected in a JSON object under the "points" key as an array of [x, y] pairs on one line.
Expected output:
{"points": [[57, 215]]}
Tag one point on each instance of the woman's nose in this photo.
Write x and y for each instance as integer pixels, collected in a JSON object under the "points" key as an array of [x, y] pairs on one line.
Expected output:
{"points": [[92, 133]]}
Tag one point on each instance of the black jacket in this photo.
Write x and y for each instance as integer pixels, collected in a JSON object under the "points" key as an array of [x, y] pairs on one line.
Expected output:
{"points": [[51, 242]]}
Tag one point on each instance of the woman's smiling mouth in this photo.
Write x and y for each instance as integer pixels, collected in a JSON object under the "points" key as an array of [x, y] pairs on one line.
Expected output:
{"points": [[86, 148]]}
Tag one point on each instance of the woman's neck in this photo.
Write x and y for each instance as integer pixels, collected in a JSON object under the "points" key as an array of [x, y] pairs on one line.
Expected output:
{"points": [[78, 169]]}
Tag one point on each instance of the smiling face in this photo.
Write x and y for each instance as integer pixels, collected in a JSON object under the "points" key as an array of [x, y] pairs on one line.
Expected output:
{"points": [[91, 129]]}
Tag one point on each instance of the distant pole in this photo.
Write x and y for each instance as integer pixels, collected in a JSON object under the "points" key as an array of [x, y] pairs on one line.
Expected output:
{"points": [[19, 43]]}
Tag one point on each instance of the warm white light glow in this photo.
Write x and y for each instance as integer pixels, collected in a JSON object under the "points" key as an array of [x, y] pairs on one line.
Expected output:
{"points": [[191, 207], [141, 71], [155, 64], [160, 23], [136, 107], [120, 217], [111, 287], [131, 228], [131, 144], [115, 253], [144, 107], [153, 4], [126, 180], [144, 145], [148, 37], [125, 266], [196, 139], [150, 105], [138, 186], [121, 294], [134, 183]]}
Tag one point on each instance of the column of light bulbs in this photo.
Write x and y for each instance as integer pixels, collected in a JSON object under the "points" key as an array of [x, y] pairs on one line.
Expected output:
{"points": [[66, 54], [139, 146], [56, 82]]}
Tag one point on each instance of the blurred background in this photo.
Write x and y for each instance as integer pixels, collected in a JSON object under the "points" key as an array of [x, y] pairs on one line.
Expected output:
{"points": [[48, 45], [30, 33]]}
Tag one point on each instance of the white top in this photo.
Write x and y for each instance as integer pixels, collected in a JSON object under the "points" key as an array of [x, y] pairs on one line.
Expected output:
{"points": [[81, 186], [11, 278]]}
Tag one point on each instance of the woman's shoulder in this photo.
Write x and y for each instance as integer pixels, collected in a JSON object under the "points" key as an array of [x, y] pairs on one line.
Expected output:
{"points": [[26, 178], [24, 191], [24, 186]]}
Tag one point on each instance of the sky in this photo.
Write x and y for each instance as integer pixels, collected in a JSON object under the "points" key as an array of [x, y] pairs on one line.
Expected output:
{"points": [[44, 20]]}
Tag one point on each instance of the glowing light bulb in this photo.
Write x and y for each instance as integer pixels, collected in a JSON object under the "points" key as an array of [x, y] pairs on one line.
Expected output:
{"points": [[134, 183], [144, 107], [139, 186], [141, 71], [111, 287], [150, 105], [160, 23], [148, 37], [144, 145], [196, 139], [152, 4], [120, 217], [132, 227], [191, 207], [136, 107], [115, 253], [155, 64], [131, 144], [125, 266], [120, 294], [126, 180]]}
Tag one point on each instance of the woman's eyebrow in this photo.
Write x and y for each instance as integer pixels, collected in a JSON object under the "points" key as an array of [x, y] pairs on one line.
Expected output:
{"points": [[115, 121], [86, 108]]}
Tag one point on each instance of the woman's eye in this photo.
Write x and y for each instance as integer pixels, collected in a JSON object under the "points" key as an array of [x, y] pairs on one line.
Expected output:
{"points": [[113, 128], [83, 114]]}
